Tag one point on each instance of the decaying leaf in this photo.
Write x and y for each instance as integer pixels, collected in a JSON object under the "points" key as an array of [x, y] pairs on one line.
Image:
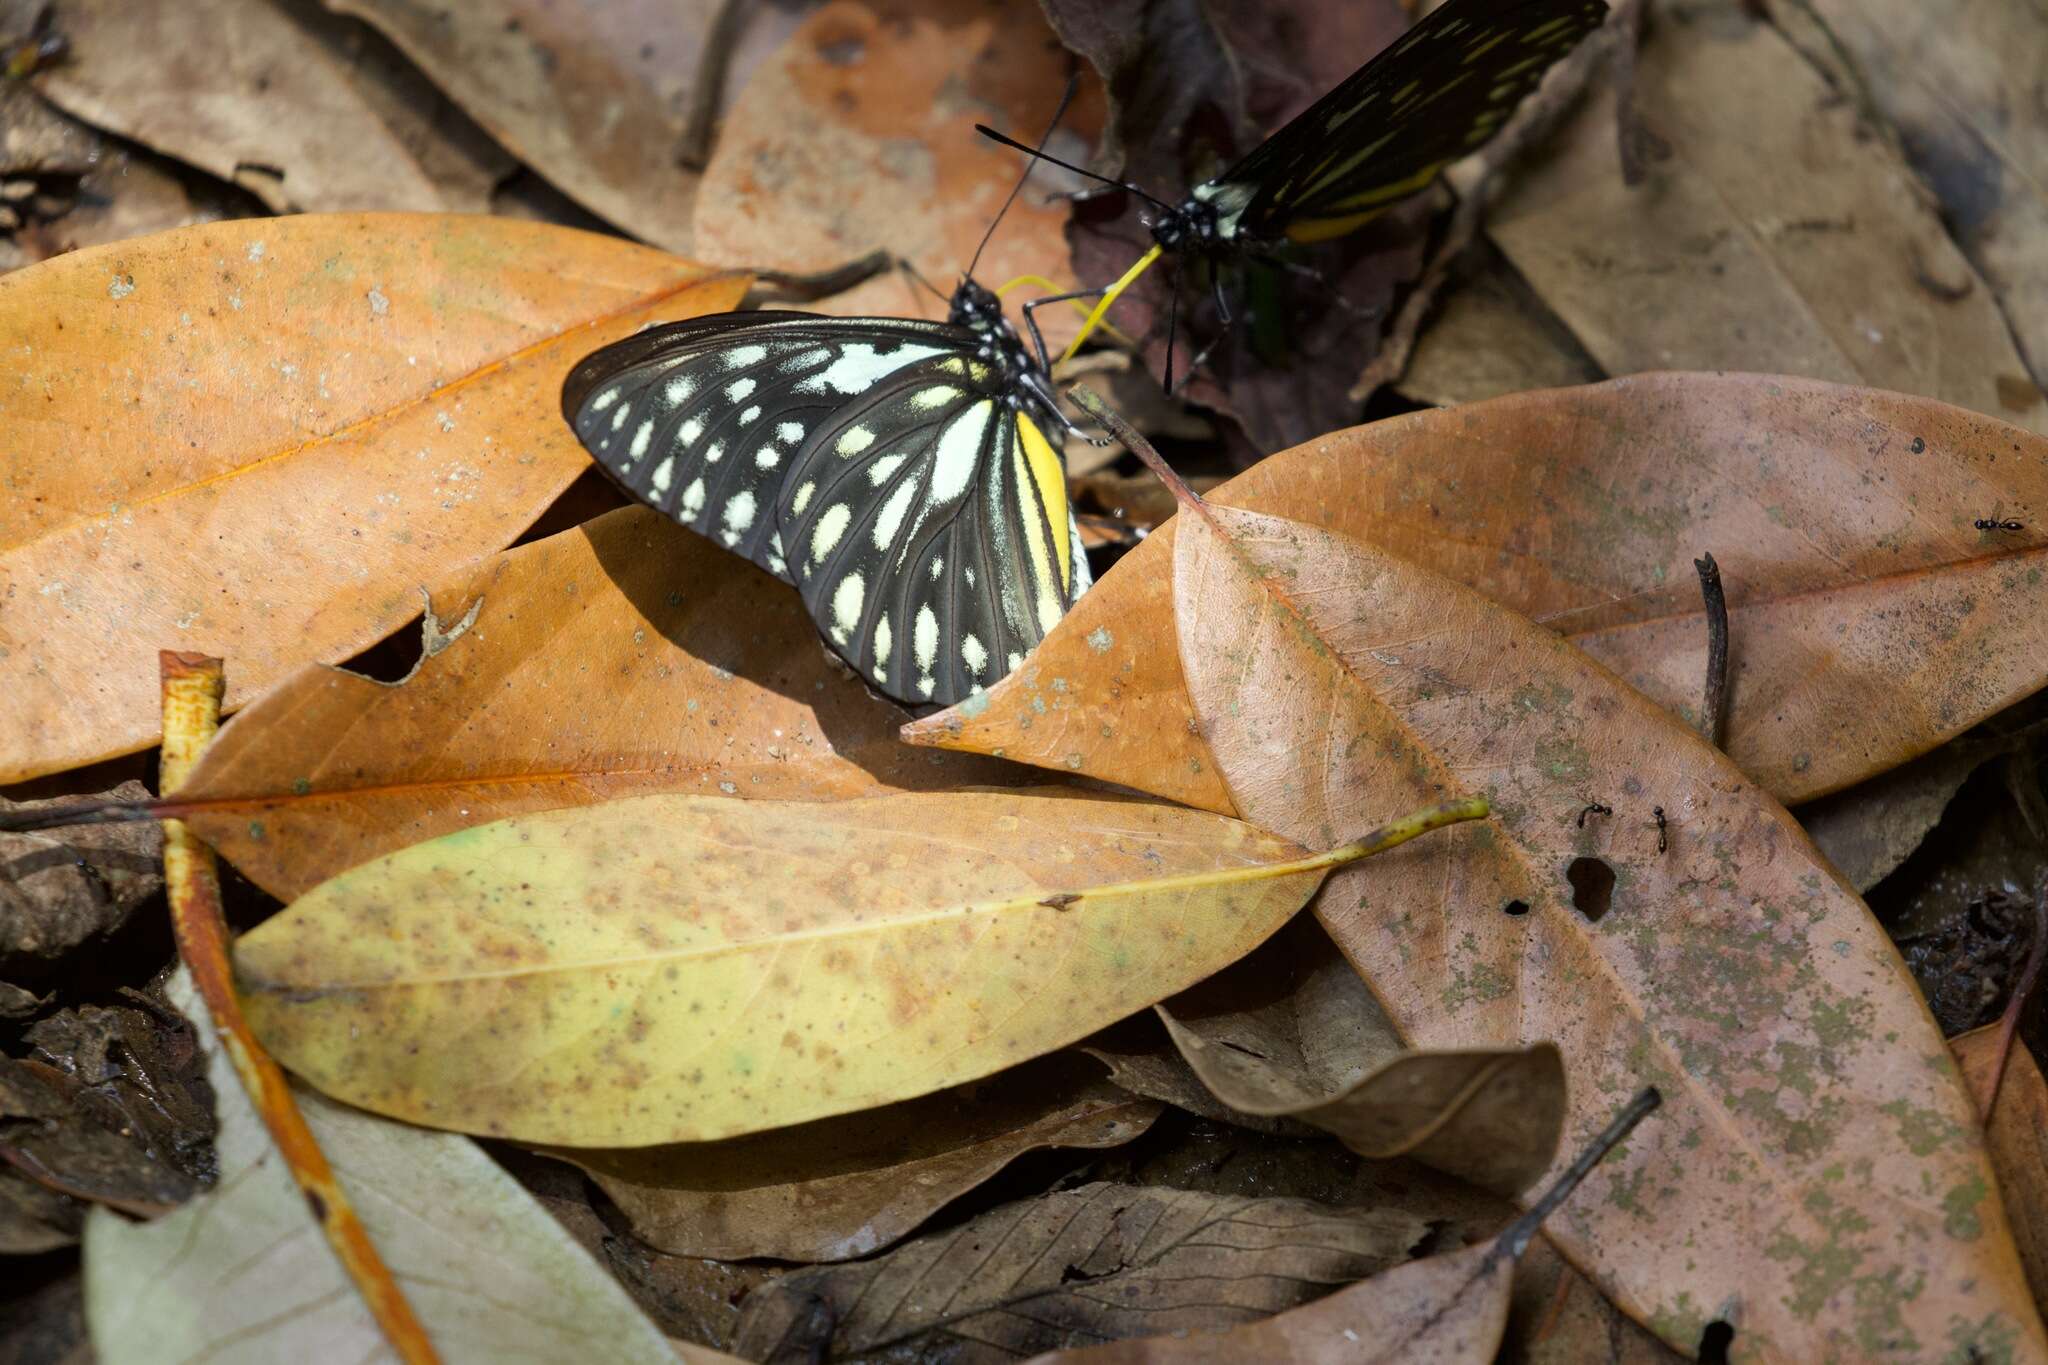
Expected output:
{"points": [[240, 1274], [1959, 82], [1871, 828], [1448, 1309], [1493, 336], [201, 83], [62, 888], [1491, 1116], [1097, 1263], [1775, 234], [397, 373], [2018, 1137], [858, 134], [837, 1188], [1870, 619], [1291, 1032], [591, 95], [623, 657], [617, 976], [1692, 939]]}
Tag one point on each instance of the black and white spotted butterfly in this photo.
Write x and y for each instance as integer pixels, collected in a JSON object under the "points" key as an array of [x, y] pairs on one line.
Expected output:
{"points": [[897, 471]]}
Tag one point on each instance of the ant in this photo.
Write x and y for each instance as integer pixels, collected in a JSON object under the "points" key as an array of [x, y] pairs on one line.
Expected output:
{"points": [[1994, 524], [1663, 839], [1595, 808]]}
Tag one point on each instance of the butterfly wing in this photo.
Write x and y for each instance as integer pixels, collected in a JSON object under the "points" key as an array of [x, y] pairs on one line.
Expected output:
{"points": [[700, 419], [1433, 96], [928, 530]]}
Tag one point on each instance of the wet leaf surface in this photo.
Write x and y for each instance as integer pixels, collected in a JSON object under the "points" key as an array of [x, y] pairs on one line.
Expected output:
{"points": [[64, 888], [623, 657], [614, 976], [241, 1274], [1096, 1263], [397, 372], [1870, 619], [1727, 966], [839, 1188]]}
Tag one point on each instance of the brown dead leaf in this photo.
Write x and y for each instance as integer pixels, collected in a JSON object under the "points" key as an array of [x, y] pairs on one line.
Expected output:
{"points": [[291, 424], [1492, 336], [304, 110], [591, 95], [1097, 1263], [62, 888], [2018, 1137], [1449, 1309], [1777, 235], [1560, 1318], [1869, 618], [1871, 828], [859, 134], [1716, 958], [845, 1187], [712, 680], [1960, 84]]}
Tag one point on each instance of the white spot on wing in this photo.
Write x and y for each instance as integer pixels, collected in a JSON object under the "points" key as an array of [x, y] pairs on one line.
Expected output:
{"points": [[880, 470], [767, 457], [750, 414], [789, 432], [803, 496], [859, 367], [676, 390], [663, 472], [739, 511], [831, 526], [642, 434], [890, 519], [937, 396], [713, 453], [739, 389], [605, 399], [959, 449], [971, 650], [924, 641], [619, 417], [883, 642], [687, 437], [847, 599], [854, 441], [693, 498], [739, 357]]}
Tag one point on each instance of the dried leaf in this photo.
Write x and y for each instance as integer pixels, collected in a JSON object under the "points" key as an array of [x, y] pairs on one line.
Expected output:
{"points": [[837, 1188], [1560, 1318], [364, 131], [396, 372], [1491, 1116], [1871, 620], [714, 681], [61, 889], [1096, 1263], [241, 1274], [1956, 81], [590, 95], [46, 1135], [1776, 235], [1450, 1308], [1492, 336], [1874, 826], [46, 1325], [1716, 957], [2018, 1136], [858, 134], [615, 976]]}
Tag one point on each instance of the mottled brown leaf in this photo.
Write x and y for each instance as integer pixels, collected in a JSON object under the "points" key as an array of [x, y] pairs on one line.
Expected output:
{"points": [[62, 888], [2018, 1136]]}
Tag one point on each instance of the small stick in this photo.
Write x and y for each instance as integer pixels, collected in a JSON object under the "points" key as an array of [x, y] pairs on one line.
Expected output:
{"points": [[1717, 649], [693, 148], [192, 687], [781, 286], [2009, 1021], [1092, 403]]}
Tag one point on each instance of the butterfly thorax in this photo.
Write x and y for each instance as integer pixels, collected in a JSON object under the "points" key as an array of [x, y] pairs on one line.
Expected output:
{"points": [[1022, 380]]}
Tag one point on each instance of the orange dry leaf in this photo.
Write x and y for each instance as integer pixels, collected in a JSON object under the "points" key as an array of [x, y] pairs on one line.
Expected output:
{"points": [[625, 657], [1714, 955], [2018, 1134], [1870, 618], [859, 134], [256, 439]]}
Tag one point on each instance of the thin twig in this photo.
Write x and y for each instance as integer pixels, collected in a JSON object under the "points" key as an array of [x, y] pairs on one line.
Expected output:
{"points": [[693, 148], [1127, 435], [1531, 123], [781, 286], [192, 687], [2009, 1022], [1715, 703]]}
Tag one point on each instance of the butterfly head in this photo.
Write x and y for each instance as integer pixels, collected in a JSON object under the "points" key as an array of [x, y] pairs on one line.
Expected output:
{"points": [[1195, 226], [976, 308]]}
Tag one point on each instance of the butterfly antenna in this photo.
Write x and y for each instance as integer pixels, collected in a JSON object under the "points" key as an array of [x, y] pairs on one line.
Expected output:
{"points": [[1066, 97], [903, 264], [1039, 154]]}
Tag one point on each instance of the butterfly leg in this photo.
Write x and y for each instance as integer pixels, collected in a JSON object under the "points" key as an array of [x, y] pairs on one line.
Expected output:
{"points": [[1031, 320]]}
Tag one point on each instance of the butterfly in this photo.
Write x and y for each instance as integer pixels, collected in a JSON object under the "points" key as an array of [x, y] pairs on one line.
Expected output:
{"points": [[1434, 95], [897, 471]]}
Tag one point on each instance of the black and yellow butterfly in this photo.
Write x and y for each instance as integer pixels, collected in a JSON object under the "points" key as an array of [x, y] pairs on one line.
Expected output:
{"points": [[897, 471], [1434, 95]]}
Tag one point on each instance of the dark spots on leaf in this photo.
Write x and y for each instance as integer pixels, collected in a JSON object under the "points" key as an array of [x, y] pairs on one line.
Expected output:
{"points": [[1592, 886], [1516, 908]]}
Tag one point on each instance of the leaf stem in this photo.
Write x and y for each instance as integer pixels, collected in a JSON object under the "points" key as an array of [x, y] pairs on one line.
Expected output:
{"points": [[1715, 704], [192, 688]]}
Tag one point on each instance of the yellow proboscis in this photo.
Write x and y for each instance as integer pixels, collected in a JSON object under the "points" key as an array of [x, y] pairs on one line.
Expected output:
{"points": [[1110, 296]]}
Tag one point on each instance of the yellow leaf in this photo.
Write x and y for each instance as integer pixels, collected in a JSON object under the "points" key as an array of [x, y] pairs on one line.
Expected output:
{"points": [[680, 968]]}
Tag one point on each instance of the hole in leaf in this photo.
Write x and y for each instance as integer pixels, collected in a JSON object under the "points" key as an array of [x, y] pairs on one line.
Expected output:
{"points": [[1592, 886], [1714, 1343], [1516, 907]]}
